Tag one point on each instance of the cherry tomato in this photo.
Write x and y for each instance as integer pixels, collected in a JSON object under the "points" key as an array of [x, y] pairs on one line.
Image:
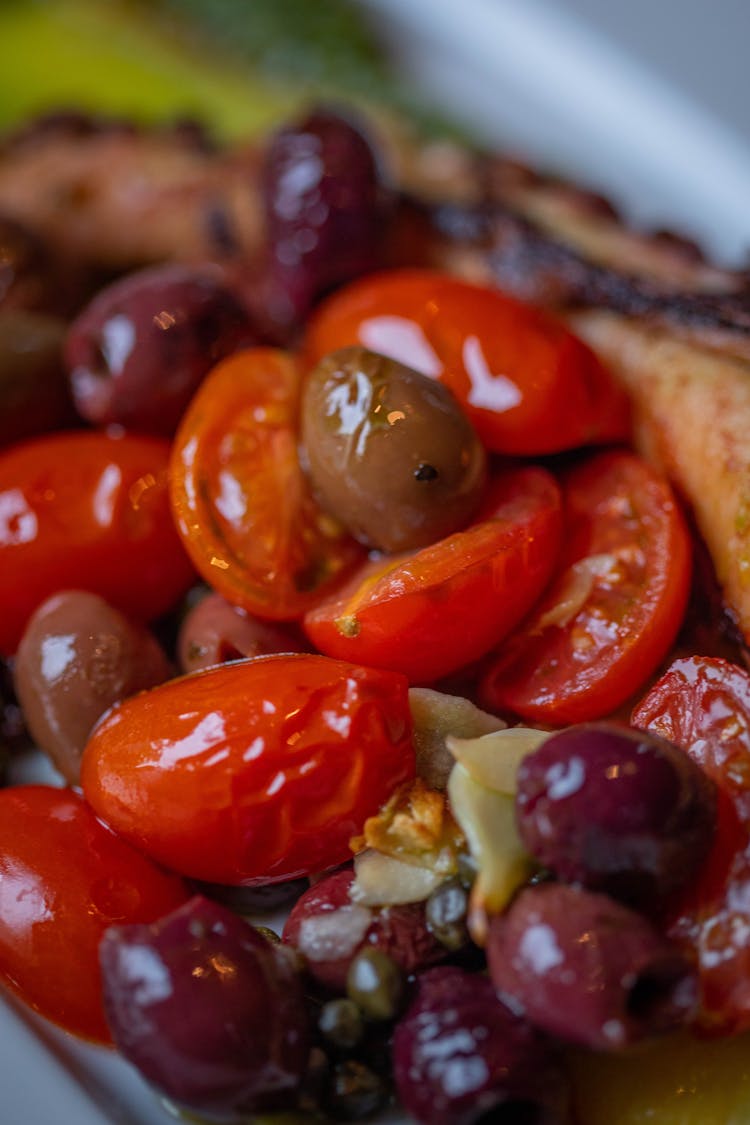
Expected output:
{"points": [[64, 878], [612, 613], [243, 506], [253, 772], [527, 383], [431, 612], [703, 705], [87, 511]]}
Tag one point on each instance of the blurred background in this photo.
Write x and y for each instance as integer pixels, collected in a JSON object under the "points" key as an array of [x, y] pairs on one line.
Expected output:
{"points": [[645, 100]]}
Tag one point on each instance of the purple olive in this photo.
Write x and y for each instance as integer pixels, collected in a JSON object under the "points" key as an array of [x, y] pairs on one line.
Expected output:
{"points": [[214, 631], [616, 810], [329, 930], [139, 350], [324, 211], [587, 969], [209, 1011], [78, 656], [461, 1056]]}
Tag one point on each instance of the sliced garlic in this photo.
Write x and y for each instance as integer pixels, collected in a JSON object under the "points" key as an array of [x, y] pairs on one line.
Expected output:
{"points": [[437, 715], [577, 588], [488, 820], [381, 880], [493, 759]]}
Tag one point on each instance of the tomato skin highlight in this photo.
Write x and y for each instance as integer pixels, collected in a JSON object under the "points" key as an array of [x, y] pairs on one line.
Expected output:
{"points": [[703, 705], [253, 772], [529, 385], [87, 511], [64, 878], [428, 613], [242, 504], [612, 613]]}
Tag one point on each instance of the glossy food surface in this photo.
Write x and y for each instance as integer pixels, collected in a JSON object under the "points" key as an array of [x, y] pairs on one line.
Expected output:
{"points": [[64, 878], [252, 772], [87, 510]]}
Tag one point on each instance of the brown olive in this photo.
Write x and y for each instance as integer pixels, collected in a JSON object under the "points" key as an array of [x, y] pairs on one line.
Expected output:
{"points": [[77, 657], [34, 396], [215, 631], [389, 451]]}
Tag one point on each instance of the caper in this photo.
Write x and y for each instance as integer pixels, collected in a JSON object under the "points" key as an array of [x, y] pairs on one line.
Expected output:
{"points": [[375, 984], [340, 1023], [390, 452], [445, 911], [355, 1092]]}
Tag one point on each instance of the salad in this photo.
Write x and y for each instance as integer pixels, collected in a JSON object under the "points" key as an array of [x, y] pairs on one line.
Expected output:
{"points": [[361, 556]]}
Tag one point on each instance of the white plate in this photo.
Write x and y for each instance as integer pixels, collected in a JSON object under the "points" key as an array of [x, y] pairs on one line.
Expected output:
{"points": [[527, 77]]}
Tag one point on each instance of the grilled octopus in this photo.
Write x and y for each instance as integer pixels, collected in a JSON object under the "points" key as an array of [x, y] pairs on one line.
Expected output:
{"points": [[673, 327]]}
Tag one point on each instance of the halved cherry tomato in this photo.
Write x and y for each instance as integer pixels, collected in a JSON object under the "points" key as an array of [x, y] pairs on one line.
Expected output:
{"points": [[615, 608], [526, 382], [88, 511], [253, 772], [703, 705], [243, 506], [431, 612], [64, 878]]}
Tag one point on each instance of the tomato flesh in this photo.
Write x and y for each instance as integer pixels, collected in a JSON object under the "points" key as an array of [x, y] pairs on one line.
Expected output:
{"points": [[614, 610], [64, 878], [252, 772], [526, 382], [87, 511], [243, 506], [703, 705], [430, 612]]}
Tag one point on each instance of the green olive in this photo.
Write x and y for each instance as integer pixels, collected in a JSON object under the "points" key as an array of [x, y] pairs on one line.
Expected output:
{"points": [[389, 451]]}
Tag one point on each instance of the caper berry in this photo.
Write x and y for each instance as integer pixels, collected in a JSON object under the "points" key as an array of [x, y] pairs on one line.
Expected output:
{"points": [[375, 984], [340, 1023]]}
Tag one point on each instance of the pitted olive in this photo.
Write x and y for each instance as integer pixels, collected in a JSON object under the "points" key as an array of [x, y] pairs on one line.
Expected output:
{"points": [[389, 451]]}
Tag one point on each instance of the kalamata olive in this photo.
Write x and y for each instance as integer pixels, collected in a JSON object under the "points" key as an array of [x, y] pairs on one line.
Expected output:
{"points": [[77, 657], [138, 351], [324, 207], [211, 1013], [328, 929], [587, 969], [390, 452], [34, 395], [617, 810], [215, 631], [461, 1056]]}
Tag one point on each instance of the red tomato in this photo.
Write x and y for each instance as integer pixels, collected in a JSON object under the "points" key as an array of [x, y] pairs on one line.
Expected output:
{"points": [[64, 878], [431, 612], [615, 608], [87, 511], [703, 705], [243, 506], [253, 772], [527, 383]]}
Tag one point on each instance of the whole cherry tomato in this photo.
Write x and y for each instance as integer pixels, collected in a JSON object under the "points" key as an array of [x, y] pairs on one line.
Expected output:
{"points": [[64, 878], [253, 772], [243, 506], [87, 511], [526, 382], [613, 611], [431, 612], [703, 705]]}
